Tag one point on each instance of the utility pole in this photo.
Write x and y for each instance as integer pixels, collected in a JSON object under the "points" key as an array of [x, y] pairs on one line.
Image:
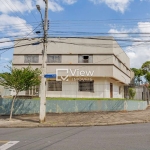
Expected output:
{"points": [[44, 56]]}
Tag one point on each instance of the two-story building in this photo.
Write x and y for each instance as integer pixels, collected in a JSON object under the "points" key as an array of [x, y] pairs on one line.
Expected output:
{"points": [[79, 67]]}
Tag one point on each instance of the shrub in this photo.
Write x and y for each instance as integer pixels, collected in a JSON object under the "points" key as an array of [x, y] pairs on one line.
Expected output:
{"points": [[132, 93]]}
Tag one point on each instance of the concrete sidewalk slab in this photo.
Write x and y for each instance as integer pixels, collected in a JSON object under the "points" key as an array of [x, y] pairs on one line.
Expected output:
{"points": [[77, 119]]}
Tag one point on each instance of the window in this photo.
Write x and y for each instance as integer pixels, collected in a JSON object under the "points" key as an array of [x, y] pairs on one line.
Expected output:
{"points": [[31, 58], [86, 86], [54, 58], [54, 85], [85, 58]]}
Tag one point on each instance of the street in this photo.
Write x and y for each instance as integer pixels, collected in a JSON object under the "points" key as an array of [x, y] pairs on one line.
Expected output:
{"points": [[121, 137]]}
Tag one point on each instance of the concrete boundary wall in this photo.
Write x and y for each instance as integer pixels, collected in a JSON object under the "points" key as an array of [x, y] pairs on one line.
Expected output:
{"points": [[70, 106]]}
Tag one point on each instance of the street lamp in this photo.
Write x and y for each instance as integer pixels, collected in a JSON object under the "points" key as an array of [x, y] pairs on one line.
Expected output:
{"points": [[38, 8]]}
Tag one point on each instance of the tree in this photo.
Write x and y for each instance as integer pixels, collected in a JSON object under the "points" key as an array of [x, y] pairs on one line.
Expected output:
{"points": [[138, 73], [146, 67], [132, 93], [20, 80]]}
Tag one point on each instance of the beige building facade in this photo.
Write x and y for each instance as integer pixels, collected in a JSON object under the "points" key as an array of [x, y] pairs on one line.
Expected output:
{"points": [[78, 67]]}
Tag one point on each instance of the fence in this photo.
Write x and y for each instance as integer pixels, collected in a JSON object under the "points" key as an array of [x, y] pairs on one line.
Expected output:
{"points": [[70, 106]]}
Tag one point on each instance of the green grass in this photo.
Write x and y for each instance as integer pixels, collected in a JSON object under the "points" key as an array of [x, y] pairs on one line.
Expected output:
{"points": [[66, 98]]}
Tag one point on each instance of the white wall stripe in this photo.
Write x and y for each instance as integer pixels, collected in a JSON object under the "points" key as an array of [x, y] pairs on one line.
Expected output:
{"points": [[8, 145]]}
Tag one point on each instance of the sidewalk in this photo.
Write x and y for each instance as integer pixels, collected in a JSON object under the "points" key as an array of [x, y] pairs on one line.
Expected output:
{"points": [[77, 119]]}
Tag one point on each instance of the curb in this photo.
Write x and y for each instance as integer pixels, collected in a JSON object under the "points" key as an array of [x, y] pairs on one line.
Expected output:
{"points": [[72, 125]]}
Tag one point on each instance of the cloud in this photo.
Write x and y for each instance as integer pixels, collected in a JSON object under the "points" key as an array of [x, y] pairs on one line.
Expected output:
{"points": [[14, 26], [69, 2], [138, 52], [16, 6], [4, 58], [117, 5], [10, 6], [144, 27], [117, 33], [52, 5], [5, 44], [138, 55]]}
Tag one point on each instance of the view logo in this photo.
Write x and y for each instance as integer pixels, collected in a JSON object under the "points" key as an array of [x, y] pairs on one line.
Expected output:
{"points": [[75, 74]]}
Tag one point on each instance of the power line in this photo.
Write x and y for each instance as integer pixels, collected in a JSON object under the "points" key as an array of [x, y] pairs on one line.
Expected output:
{"points": [[16, 8], [13, 11], [17, 36], [18, 24], [109, 38], [101, 32], [93, 38], [7, 48], [94, 62], [85, 44], [30, 10], [23, 51], [93, 45], [25, 37], [13, 40], [102, 20]]}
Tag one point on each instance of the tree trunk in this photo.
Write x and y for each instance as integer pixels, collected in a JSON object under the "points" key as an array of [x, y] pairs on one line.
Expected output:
{"points": [[12, 106]]}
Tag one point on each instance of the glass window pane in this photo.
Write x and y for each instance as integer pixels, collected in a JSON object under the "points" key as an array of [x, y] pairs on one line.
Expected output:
{"points": [[31, 58], [54, 86], [54, 58], [86, 86]]}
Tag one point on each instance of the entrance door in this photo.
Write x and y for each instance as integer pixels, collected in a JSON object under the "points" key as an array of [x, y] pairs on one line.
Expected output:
{"points": [[111, 90]]}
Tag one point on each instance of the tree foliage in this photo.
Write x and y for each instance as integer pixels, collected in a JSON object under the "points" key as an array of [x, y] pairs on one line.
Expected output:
{"points": [[146, 67], [143, 71], [20, 80], [138, 73], [146, 71]]}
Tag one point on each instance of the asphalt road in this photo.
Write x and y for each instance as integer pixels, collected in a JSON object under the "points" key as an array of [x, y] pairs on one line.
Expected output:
{"points": [[124, 137]]}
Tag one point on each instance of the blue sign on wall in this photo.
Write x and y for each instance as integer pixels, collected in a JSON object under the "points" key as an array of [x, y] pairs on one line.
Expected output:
{"points": [[50, 76]]}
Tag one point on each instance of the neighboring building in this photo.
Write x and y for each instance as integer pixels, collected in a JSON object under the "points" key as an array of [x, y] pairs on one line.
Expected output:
{"points": [[142, 92], [5, 92], [96, 67]]}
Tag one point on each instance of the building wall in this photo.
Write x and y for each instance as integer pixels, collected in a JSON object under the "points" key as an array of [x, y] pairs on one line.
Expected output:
{"points": [[109, 63], [139, 93], [79, 46], [120, 54], [99, 71], [101, 89]]}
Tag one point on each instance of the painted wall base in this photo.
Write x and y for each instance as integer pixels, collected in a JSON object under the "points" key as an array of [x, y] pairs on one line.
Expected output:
{"points": [[69, 106]]}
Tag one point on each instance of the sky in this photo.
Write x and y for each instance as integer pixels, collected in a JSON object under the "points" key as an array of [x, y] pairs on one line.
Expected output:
{"points": [[128, 21]]}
